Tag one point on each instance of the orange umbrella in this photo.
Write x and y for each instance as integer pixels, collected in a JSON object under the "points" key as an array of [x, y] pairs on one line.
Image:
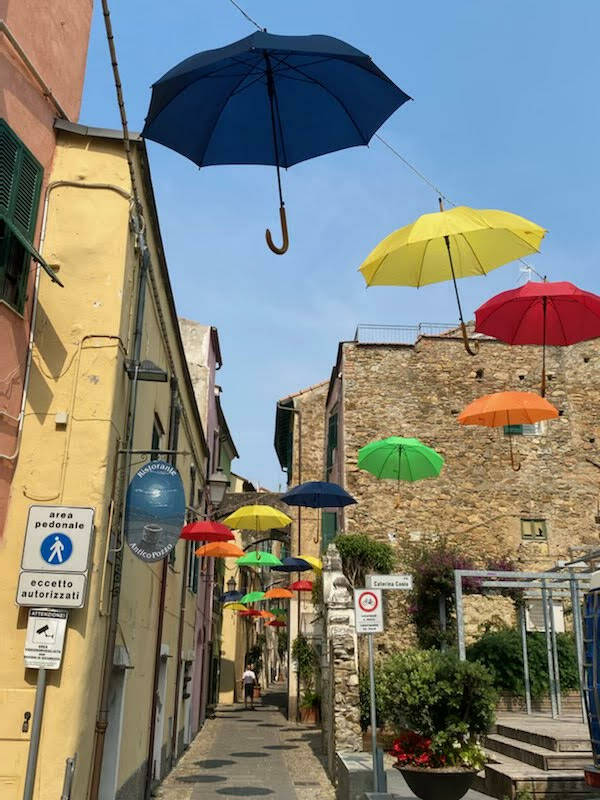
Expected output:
{"points": [[507, 408], [220, 550], [267, 615], [280, 593]]}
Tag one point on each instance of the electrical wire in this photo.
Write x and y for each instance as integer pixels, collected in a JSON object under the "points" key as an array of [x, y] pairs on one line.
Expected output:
{"points": [[248, 17]]}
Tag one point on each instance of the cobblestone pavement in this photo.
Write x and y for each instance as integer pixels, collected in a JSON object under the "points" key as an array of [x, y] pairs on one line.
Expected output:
{"points": [[251, 754]]}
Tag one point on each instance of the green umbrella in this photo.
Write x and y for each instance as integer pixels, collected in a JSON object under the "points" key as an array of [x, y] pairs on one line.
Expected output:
{"points": [[400, 459], [279, 612], [258, 558], [252, 597]]}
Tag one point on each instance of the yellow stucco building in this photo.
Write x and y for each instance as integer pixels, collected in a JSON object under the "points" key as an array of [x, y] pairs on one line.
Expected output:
{"points": [[76, 425]]}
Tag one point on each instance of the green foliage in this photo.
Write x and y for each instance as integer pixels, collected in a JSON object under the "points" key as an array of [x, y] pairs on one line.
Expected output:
{"points": [[282, 643], [362, 554], [254, 656], [317, 591], [433, 693], [365, 700], [305, 656], [310, 699], [501, 653]]}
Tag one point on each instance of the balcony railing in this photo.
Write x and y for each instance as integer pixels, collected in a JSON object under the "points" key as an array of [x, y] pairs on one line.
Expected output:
{"points": [[400, 334]]}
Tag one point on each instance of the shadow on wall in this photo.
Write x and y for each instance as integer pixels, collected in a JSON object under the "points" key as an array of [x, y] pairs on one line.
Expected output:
{"points": [[227, 678]]}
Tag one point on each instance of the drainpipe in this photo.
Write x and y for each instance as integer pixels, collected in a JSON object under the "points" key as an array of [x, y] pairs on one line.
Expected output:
{"points": [[102, 716], [161, 608]]}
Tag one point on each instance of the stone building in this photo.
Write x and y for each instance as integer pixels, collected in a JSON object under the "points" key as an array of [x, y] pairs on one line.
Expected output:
{"points": [[544, 513]]}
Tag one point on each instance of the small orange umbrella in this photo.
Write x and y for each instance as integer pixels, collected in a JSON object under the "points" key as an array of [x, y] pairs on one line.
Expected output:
{"points": [[267, 615], [271, 594], [220, 550], [506, 409]]}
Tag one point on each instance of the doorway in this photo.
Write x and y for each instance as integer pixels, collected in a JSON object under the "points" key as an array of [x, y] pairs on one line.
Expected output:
{"points": [[112, 742]]}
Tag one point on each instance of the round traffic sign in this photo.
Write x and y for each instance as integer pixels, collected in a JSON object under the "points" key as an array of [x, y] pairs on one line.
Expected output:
{"points": [[56, 548], [368, 602]]}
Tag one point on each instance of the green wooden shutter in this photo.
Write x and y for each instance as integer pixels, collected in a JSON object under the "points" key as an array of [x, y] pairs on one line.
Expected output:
{"points": [[332, 432], [328, 528], [20, 183]]}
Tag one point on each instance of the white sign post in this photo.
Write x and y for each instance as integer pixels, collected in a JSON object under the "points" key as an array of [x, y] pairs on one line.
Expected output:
{"points": [[368, 615], [56, 555], [45, 638]]}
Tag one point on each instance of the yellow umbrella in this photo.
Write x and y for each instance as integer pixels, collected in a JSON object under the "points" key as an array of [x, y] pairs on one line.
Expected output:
{"points": [[448, 245], [234, 607], [257, 518], [314, 562]]}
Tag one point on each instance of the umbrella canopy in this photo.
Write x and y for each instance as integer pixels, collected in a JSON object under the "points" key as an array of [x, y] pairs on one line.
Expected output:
{"points": [[252, 597], [206, 531], [318, 494], [540, 312], [506, 409], [292, 564], [220, 550], [235, 607], [249, 612], [280, 612], [258, 558], [277, 623], [400, 459], [270, 99], [448, 245], [267, 615], [231, 597], [277, 593], [315, 563], [301, 586], [257, 518]]}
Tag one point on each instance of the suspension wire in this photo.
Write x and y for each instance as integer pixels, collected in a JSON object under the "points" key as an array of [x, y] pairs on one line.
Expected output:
{"points": [[248, 17], [438, 191]]}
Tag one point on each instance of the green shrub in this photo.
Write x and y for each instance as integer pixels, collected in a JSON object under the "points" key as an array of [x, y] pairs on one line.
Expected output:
{"points": [[365, 700], [362, 554], [501, 653], [433, 693], [305, 656]]}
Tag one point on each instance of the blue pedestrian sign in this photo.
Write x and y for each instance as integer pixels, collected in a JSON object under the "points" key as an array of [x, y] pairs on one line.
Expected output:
{"points": [[56, 548]]}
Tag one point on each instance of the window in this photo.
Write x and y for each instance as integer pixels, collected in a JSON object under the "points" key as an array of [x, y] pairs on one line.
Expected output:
{"points": [[20, 186], [332, 435], [535, 429], [157, 434], [534, 529], [328, 528]]}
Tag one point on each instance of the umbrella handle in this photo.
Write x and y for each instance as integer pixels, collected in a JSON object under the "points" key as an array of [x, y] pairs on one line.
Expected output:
{"points": [[284, 231], [512, 455], [472, 349]]}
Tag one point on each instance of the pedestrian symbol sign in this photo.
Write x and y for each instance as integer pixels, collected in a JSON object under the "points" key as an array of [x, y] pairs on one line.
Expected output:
{"points": [[56, 548]]}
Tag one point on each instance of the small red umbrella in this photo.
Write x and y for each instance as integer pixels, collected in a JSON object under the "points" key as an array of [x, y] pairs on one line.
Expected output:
{"points": [[249, 612], [544, 313], [301, 586], [276, 623], [206, 531]]}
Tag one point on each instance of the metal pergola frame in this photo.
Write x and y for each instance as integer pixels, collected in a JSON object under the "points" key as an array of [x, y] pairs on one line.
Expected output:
{"points": [[537, 585]]}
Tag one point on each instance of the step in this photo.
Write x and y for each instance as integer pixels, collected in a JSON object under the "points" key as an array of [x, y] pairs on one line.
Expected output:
{"points": [[540, 757], [552, 734], [505, 776]]}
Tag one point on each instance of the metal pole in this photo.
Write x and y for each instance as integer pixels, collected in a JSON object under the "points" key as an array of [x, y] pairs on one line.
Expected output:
{"points": [[549, 650], [460, 620], [525, 657], [36, 730], [443, 622], [68, 779], [373, 714], [555, 654], [577, 631]]}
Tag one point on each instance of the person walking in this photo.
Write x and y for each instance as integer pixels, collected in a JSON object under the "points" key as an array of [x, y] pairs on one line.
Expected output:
{"points": [[248, 683]]}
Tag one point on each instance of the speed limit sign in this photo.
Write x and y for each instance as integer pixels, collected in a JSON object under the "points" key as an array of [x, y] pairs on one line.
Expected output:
{"points": [[368, 610]]}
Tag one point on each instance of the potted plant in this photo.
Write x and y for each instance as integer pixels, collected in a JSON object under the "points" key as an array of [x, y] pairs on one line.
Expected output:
{"points": [[443, 707], [310, 708]]}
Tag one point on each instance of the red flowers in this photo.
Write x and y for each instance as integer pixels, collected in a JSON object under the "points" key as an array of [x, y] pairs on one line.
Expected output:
{"points": [[415, 751]]}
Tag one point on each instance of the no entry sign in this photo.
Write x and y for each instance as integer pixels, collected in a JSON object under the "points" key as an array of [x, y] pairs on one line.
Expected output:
{"points": [[368, 610]]}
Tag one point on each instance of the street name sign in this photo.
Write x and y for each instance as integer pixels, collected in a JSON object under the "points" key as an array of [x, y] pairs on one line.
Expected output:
{"points": [[402, 582], [368, 610], [56, 555], [45, 638]]}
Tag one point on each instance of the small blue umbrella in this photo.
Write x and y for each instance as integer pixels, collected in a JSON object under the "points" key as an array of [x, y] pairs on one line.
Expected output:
{"points": [[292, 564], [318, 494], [274, 100], [231, 597]]}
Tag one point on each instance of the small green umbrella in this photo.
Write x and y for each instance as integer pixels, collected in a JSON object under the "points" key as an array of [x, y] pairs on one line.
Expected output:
{"points": [[252, 597], [259, 558], [400, 459], [279, 612]]}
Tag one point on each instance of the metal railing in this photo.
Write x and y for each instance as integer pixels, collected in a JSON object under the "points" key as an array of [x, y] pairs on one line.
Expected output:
{"points": [[400, 334]]}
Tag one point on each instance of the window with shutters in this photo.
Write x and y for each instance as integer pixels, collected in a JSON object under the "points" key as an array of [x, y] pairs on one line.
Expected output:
{"points": [[527, 429], [329, 528], [20, 186], [332, 436]]}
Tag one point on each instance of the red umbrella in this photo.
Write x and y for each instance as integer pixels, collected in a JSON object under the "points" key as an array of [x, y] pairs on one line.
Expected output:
{"points": [[276, 623], [249, 612], [301, 586], [206, 532], [542, 313]]}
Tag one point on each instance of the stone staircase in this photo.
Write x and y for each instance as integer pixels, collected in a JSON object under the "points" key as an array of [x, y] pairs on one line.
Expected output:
{"points": [[537, 754]]}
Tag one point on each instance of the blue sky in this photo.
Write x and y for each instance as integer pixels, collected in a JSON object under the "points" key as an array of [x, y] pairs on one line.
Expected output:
{"points": [[506, 115]]}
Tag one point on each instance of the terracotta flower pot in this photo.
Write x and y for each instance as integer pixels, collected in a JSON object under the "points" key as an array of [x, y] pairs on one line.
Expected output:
{"points": [[256, 693], [309, 714], [449, 783]]}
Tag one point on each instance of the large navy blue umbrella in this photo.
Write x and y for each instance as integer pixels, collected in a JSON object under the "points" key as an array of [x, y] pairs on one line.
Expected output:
{"points": [[292, 564], [318, 494], [270, 99]]}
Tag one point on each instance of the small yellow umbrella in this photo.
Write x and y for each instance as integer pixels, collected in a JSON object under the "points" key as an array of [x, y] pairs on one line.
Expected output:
{"points": [[316, 563], [448, 245], [257, 518], [234, 607]]}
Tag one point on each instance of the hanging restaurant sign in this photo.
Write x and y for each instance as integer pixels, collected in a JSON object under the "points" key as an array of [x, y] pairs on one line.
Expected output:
{"points": [[155, 511]]}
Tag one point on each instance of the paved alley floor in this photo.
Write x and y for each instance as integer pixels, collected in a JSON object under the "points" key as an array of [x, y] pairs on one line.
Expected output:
{"points": [[251, 754]]}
